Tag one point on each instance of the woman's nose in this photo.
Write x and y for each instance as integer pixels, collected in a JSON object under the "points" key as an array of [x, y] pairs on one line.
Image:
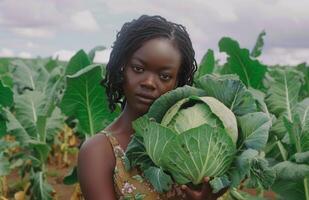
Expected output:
{"points": [[149, 82]]}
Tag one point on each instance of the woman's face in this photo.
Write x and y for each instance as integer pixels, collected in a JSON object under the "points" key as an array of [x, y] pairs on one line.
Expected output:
{"points": [[151, 72]]}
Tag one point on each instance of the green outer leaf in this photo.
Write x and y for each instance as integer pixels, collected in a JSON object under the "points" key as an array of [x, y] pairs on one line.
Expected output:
{"points": [[79, 61], [161, 181], [156, 140], [302, 157], [254, 129], [230, 91], [85, 99], [199, 152], [250, 71], [207, 65], [257, 49], [6, 96], [241, 166], [288, 170], [136, 154], [158, 109], [224, 114], [218, 183], [260, 174]]}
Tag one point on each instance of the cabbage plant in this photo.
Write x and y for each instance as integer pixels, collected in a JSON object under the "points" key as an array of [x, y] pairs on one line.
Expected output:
{"points": [[213, 129]]}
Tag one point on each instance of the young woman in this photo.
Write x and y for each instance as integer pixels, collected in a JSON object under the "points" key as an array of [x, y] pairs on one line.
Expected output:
{"points": [[150, 57]]}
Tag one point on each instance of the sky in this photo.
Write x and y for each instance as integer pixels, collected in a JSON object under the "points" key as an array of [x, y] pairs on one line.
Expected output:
{"points": [[59, 28]]}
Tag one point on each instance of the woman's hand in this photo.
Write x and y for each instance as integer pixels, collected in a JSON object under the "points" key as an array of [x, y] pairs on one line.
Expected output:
{"points": [[205, 193]]}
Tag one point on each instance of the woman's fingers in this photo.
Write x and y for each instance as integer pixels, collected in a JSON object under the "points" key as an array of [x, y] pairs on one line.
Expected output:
{"points": [[206, 189], [190, 194], [204, 193]]}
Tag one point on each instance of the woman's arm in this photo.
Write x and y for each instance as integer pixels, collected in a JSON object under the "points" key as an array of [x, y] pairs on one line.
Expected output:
{"points": [[96, 163]]}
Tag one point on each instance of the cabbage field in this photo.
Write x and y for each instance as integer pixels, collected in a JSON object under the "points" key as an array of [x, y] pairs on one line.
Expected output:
{"points": [[260, 148]]}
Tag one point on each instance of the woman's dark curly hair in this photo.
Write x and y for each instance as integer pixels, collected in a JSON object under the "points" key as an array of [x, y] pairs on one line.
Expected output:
{"points": [[131, 37]]}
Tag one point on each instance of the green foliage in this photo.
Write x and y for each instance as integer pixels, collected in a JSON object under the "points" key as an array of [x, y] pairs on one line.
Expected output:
{"points": [[249, 70], [257, 49], [207, 65], [85, 99]]}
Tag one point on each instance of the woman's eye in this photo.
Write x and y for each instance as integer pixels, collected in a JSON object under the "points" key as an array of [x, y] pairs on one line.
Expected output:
{"points": [[165, 77], [138, 69]]}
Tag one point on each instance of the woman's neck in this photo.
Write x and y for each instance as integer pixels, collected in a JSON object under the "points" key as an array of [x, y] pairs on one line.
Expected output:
{"points": [[123, 125]]}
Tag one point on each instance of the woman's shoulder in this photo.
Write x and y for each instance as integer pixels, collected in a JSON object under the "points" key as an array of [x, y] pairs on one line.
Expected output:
{"points": [[97, 148]]}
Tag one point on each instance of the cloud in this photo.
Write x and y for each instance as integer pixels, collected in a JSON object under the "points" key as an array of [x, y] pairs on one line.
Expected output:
{"points": [[102, 56], [4, 52], [84, 21], [64, 55], [285, 56], [34, 32], [24, 55]]}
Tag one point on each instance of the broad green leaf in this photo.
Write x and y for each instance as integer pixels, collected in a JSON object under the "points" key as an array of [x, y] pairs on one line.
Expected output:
{"points": [[41, 150], [15, 128], [6, 96], [158, 109], [254, 129], [288, 170], [85, 100], [302, 109], [55, 123], [249, 70], [156, 140], [5, 75], [161, 181], [40, 188], [257, 49], [241, 166], [79, 61], [261, 175], [93, 51], [23, 76], [304, 69], [207, 64], [259, 97], [51, 65], [199, 152], [28, 107], [289, 190], [136, 154], [294, 132], [230, 91], [282, 95]]}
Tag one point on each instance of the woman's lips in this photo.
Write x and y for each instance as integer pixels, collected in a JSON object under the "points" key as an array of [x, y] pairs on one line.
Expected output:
{"points": [[144, 99]]}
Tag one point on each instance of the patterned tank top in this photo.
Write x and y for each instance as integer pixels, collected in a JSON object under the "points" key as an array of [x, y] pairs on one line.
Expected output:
{"points": [[130, 184]]}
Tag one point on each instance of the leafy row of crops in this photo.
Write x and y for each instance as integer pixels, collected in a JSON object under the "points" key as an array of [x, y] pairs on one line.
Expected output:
{"points": [[41, 99]]}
